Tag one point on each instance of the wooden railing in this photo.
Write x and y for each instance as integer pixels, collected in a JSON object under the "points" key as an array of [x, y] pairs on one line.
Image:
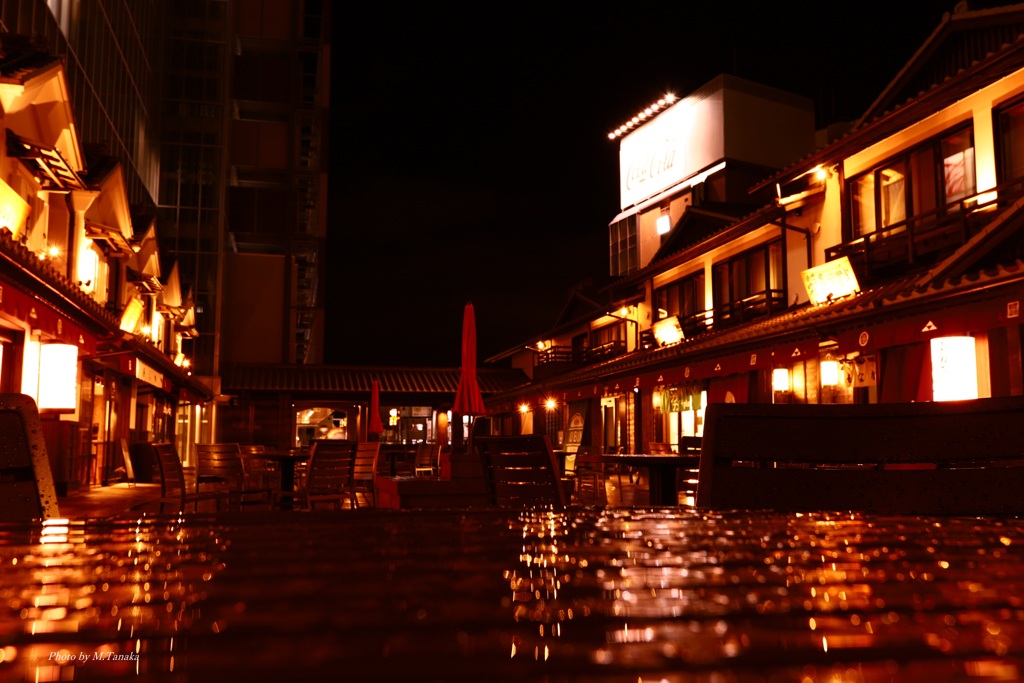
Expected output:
{"points": [[924, 236]]}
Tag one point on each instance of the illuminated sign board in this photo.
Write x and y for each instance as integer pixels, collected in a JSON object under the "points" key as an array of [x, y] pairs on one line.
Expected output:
{"points": [[684, 139], [149, 375], [668, 331], [830, 281]]}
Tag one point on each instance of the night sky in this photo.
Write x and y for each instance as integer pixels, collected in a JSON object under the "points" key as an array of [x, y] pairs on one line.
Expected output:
{"points": [[470, 159]]}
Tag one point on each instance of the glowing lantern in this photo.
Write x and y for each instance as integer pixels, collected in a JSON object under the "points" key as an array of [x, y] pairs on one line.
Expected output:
{"points": [[829, 373], [954, 369], [780, 379], [58, 377]]}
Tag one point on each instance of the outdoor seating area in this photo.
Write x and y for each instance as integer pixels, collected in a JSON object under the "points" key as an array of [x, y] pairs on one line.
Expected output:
{"points": [[495, 526]]}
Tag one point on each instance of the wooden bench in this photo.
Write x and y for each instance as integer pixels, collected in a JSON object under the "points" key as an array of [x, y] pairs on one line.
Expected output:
{"points": [[964, 457]]}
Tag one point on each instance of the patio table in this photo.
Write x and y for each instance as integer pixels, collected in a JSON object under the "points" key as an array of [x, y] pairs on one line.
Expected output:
{"points": [[461, 595], [662, 469], [287, 460]]}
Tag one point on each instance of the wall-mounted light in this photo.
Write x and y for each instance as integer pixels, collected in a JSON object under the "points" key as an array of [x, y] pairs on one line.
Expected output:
{"points": [[780, 379], [550, 404], [954, 369], [524, 408], [663, 224]]}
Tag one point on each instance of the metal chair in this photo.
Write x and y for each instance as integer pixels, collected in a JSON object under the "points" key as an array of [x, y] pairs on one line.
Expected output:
{"points": [[26, 483], [219, 467], [520, 471], [364, 473]]}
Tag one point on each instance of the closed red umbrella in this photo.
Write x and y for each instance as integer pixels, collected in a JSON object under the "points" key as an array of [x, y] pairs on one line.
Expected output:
{"points": [[468, 400], [375, 425]]}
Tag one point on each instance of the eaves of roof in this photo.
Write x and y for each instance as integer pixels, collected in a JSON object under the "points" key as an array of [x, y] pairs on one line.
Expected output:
{"points": [[54, 287], [868, 132], [950, 25], [350, 380], [893, 299]]}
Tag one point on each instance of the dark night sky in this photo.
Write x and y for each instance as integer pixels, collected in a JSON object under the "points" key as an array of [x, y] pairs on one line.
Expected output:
{"points": [[469, 151]]}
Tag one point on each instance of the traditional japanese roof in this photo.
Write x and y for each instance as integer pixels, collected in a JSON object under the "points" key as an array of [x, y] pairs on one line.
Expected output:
{"points": [[342, 382], [962, 39], [890, 301], [904, 104]]}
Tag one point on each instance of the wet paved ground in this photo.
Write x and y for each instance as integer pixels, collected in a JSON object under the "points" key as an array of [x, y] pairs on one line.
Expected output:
{"points": [[107, 501]]}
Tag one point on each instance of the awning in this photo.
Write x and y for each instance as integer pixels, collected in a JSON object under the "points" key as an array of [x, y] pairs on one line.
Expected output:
{"points": [[111, 235]]}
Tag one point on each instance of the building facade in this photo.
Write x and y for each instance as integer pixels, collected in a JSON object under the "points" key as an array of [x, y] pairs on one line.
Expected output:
{"points": [[90, 327], [886, 266]]}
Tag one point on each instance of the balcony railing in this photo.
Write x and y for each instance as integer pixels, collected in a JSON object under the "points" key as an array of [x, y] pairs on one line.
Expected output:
{"points": [[755, 306], [925, 237]]}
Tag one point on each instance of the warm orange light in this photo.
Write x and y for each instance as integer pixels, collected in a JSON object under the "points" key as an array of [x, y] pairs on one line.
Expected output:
{"points": [[13, 210], [523, 408], [667, 331], [550, 404], [131, 315]]}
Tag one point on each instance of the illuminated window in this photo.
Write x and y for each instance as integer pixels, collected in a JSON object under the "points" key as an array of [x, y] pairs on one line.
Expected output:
{"points": [[684, 298], [750, 285], [935, 175]]}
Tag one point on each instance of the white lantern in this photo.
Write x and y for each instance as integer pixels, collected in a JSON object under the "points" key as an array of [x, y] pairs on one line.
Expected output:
{"points": [[954, 369], [58, 377]]}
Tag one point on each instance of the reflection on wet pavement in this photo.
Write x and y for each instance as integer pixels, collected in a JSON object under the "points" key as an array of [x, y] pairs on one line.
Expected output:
{"points": [[648, 595]]}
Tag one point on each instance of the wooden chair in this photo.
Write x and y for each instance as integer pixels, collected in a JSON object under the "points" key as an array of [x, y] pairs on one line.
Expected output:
{"points": [[520, 471], [963, 457], [26, 483], [590, 485], [328, 476], [173, 487], [427, 457], [219, 467], [364, 473], [686, 479], [259, 472]]}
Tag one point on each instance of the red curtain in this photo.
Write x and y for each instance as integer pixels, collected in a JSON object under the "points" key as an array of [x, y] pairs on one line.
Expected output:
{"points": [[906, 374]]}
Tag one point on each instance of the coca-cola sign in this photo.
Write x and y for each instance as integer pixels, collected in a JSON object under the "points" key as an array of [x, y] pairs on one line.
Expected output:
{"points": [[681, 141]]}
